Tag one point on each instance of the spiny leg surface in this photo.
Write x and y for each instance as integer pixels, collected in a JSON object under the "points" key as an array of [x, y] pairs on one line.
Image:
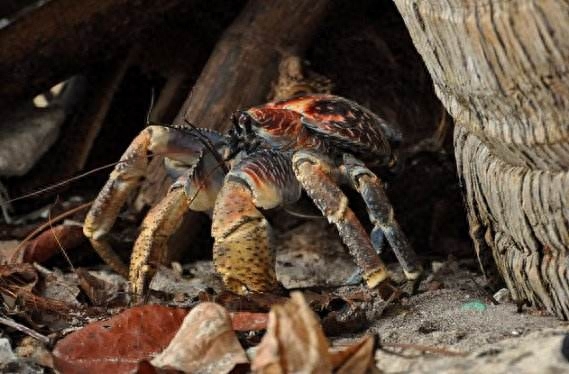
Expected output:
{"points": [[184, 152], [315, 173], [243, 251], [125, 177]]}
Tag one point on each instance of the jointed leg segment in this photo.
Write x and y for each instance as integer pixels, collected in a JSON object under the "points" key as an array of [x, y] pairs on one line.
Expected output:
{"points": [[150, 247], [124, 178], [315, 174], [243, 252], [381, 215]]}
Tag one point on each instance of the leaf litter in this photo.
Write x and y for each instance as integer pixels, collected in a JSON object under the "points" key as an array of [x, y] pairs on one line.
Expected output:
{"points": [[341, 312]]}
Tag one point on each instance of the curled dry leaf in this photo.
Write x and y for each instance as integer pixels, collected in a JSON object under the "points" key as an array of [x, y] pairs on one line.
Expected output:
{"points": [[18, 275], [99, 291], [294, 342], [355, 359], [205, 343], [17, 288], [118, 344], [17, 284], [50, 242]]}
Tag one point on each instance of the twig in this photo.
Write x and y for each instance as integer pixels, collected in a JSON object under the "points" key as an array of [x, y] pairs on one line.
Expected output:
{"points": [[63, 251], [26, 330]]}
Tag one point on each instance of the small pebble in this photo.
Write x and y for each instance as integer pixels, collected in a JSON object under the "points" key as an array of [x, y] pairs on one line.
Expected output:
{"points": [[436, 266], [503, 296], [435, 285], [475, 305], [517, 332], [565, 347]]}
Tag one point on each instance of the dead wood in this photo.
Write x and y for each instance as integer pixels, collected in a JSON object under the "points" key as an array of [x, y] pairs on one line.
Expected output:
{"points": [[56, 40], [500, 69]]}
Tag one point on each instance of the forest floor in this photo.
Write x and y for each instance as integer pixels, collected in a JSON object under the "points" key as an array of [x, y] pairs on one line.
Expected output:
{"points": [[452, 324], [453, 315]]}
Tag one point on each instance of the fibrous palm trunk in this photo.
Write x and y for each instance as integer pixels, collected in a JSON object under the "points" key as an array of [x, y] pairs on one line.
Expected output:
{"points": [[501, 70]]}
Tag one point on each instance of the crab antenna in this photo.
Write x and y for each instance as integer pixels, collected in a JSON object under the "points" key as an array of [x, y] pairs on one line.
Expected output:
{"points": [[208, 144], [151, 106]]}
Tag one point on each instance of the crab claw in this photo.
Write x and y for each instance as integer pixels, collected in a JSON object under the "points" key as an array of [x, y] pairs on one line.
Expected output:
{"points": [[242, 252]]}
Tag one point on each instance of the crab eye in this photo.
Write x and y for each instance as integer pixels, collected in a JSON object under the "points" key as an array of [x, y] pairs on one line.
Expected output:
{"points": [[244, 122]]}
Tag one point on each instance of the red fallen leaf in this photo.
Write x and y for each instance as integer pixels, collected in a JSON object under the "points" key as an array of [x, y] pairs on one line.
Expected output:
{"points": [[118, 344], [205, 343], [43, 247], [247, 321]]}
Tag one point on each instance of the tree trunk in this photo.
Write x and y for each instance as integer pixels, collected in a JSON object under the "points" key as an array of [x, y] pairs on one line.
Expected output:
{"points": [[500, 69]]}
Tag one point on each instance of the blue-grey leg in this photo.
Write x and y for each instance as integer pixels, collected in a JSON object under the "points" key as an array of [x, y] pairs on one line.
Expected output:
{"points": [[381, 215]]}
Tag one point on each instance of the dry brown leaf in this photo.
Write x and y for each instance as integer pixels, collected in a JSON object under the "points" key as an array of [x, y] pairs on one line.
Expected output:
{"points": [[248, 321], [17, 286], [118, 344], [99, 291], [18, 275], [50, 242], [355, 359], [205, 343], [294, 341]]}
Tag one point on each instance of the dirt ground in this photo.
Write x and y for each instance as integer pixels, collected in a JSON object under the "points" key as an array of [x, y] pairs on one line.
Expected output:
{"points": [[453, 324], [452, 312]]}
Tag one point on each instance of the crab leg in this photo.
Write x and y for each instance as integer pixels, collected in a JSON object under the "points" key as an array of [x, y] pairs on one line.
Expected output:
{"points": [[195, 190], [382, 216], [126, 176], [315, 174], [150, 248], [243, 253]]}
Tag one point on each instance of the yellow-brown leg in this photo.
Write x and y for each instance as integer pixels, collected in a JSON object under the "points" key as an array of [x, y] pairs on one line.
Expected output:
{"points": [[196, 190], [315, 175], [243, 253], [150, 247], [106, 207]]}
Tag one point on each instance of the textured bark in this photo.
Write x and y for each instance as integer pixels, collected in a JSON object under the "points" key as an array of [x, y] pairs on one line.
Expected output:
{"points": [[500, 69]]}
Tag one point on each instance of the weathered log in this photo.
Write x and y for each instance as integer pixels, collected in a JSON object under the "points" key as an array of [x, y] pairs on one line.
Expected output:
{"points": [[56, 40], [500, 69], [242, 66]]}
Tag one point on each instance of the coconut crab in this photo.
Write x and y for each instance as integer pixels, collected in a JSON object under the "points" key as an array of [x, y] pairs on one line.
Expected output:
{"points": [[273, 152]]}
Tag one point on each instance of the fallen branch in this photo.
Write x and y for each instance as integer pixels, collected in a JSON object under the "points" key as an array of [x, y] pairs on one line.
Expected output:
{"points": [[26, 330]]}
